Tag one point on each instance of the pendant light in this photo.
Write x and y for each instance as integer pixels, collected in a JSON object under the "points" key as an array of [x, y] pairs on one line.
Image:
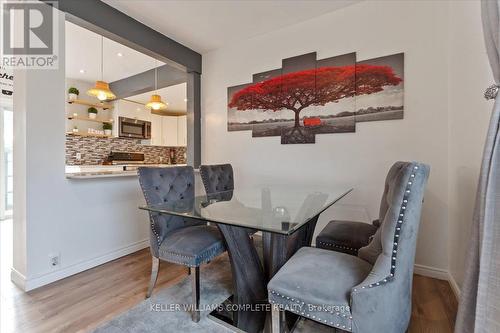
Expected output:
{"points": [[101, 89], [155, 103]]}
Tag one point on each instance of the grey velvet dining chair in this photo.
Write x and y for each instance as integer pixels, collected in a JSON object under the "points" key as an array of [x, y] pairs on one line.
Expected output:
{"points": [[177, 239], [370, 292], [346, 236], [218, 180], [349, 236]]}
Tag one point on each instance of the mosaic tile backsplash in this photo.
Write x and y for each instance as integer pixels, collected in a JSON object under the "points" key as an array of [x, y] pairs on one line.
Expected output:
{"points": [[94, 150]]}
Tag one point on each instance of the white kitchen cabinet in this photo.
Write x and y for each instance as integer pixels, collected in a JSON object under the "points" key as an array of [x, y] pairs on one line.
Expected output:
{"points": [[182, 131], [169, 131], [156, 130], [124, 108]]}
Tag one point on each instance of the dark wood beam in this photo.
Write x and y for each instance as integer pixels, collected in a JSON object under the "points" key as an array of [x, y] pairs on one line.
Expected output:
{"points": [[145, 81], [194, 119]]}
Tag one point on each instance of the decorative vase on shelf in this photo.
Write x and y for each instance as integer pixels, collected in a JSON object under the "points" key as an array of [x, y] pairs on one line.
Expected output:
{"points": [[107, 127], [92, 112], [73, 94]]}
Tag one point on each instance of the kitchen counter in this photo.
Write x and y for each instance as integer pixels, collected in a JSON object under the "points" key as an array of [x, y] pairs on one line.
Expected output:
{"points": [[104, 171], [100, 174]]}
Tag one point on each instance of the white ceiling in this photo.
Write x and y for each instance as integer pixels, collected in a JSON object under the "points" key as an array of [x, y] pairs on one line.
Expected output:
{"points": [[201, 25], [175, 96], [207, 25], [83, 52]]}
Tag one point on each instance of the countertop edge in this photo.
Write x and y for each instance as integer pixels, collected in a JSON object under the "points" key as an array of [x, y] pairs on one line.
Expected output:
{"points": [[103, 174], [92, 175]]}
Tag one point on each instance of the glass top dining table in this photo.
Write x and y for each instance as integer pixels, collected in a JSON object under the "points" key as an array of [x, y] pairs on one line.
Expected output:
{"points": [[276, 209], [286, 216]]}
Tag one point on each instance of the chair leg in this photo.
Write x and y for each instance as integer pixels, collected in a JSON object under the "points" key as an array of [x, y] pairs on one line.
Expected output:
{"points": [[196, 294], [155, 267], [277, 319]]}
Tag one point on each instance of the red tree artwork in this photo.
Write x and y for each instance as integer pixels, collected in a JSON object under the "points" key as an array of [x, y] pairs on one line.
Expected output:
{"points": [[314, 87]]}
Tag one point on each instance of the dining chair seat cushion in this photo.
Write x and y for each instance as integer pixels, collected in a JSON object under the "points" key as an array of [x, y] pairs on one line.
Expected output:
{"points": [[316, 284], [192, 246], [345, 236]]}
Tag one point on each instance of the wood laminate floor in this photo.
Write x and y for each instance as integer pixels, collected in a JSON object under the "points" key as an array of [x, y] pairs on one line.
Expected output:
{"points": [[84, 301]]}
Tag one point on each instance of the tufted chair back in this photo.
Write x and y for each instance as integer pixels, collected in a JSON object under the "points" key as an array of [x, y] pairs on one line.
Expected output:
{"points": [[218, 180], [162, 185], [387, 289]]}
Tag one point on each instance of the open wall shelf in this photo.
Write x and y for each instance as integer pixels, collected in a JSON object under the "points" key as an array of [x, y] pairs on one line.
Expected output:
{"points": [[103, 106], [96, 120], [88, 134]]}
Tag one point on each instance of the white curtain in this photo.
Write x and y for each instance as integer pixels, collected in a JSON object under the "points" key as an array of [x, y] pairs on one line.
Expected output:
{"points": [[479, 309]]}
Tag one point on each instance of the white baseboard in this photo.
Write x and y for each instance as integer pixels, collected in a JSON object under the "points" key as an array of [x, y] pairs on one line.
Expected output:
{"points": [[454, 286], [17, 278], [433, 272], [42, 280], [441, 274]]}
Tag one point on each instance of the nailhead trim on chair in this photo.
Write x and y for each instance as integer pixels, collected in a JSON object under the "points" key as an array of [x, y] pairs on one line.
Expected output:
{"points": [[396, 235], [337, 246], [180, 263], [203, 259], [305, 314]]}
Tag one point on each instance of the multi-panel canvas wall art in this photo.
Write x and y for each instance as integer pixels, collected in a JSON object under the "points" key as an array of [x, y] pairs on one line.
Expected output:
{"points": [[307, 96], [386, 103]]}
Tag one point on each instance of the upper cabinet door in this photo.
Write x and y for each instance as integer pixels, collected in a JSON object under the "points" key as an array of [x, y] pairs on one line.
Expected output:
{"points": [[156, 130], [182, 131], [169, 130], [132, 110]]}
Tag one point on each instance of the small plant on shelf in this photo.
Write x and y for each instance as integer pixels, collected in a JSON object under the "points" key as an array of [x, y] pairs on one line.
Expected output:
{"points": [[107, 127], [75, 129], [92, 112], [73, 93]]}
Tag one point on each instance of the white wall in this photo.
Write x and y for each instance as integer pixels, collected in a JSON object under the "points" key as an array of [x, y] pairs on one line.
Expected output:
{"points": [[469, 115], [87, 222], [446, 116], [361, 159]]}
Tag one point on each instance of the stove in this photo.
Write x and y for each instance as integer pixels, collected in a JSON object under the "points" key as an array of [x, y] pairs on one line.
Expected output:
{"points": [[125, 158], [130, 161]]}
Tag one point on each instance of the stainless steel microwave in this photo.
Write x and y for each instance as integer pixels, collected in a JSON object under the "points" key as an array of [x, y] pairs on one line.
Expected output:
{"points": [[134, 128]]}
